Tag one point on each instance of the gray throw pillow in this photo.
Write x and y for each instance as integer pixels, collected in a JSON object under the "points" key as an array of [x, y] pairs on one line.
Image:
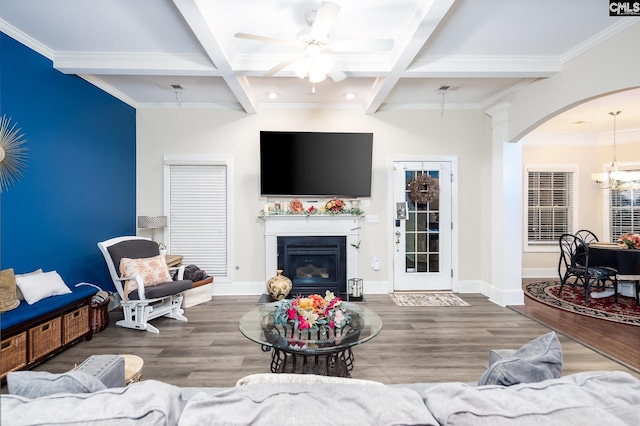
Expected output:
{"points": [[109, 369], [37, 384], [538, 360]]}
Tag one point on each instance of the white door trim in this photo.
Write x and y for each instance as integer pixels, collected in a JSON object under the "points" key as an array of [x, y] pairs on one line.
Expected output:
{"points": [[455, 285]]}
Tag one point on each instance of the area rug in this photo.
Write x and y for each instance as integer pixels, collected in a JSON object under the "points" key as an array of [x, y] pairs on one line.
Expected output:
{"points": [[572, 300], [427, 299]]}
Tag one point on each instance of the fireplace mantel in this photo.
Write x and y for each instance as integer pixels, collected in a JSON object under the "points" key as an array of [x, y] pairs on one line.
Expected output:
{"points": [[313, 225]]}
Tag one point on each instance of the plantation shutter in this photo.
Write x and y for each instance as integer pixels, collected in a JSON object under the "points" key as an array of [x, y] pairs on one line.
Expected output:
{"points": [[198, 216], [549, 206], [624, 213]]}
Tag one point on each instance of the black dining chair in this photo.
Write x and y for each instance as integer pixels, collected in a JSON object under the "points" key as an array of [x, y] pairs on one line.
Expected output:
{"points": [[587, 236], [574, 268]]}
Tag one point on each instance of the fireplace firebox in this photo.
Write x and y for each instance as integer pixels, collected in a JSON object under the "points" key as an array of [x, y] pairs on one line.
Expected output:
{"points": [[314, 264]]}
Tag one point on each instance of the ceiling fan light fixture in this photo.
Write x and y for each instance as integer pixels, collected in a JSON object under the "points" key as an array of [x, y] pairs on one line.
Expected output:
{"points": [[301, 67], [315, 76], [323, 63]]}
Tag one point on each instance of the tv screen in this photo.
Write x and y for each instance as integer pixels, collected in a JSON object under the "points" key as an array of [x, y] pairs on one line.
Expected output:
{"points": [[310, 164]]}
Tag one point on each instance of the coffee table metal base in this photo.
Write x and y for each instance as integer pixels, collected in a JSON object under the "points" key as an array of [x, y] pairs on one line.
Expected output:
{"points": [[336, 364]]}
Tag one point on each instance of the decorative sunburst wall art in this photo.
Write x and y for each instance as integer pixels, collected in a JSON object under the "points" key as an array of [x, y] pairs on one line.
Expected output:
{"points": [[13, 153]]}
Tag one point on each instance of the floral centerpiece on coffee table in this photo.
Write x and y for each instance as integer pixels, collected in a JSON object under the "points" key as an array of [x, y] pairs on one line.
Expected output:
{"points": [[312, 312], [632, 241]]}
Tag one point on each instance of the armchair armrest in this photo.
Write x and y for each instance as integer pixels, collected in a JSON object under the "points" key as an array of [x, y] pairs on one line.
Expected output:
{"points": [[138, 279], [177, 272]]}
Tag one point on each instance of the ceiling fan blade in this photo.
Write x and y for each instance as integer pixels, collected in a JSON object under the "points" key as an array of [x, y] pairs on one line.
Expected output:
{"points": [[266, 39], [336, 74], [325, 18], [282, 65], [376, 45]]}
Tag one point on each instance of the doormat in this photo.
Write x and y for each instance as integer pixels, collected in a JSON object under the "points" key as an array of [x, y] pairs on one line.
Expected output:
{"points": [[572, 300], [427, 299]]}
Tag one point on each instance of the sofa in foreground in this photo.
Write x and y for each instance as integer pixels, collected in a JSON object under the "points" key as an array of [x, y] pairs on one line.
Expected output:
{"points": [[520, 387], [590, 398]]}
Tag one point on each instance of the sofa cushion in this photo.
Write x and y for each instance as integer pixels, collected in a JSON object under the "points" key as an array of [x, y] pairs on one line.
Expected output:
{"points": [[291, 403], [145, 403], [25, 312], [538, 360], [40, 286], [36, 384], [252, 379], [590, 398], [8, 296]]}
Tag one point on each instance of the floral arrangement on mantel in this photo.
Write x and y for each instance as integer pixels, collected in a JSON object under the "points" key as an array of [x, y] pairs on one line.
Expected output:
{"points": [[630, 240], [333, 207], [312, 312]]}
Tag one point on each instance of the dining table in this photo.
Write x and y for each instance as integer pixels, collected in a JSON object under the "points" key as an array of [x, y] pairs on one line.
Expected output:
{"points": [[624, 260]]}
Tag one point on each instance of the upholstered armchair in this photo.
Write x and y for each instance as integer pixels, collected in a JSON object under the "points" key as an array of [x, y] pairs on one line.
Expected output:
{"points": [[145, 284]]}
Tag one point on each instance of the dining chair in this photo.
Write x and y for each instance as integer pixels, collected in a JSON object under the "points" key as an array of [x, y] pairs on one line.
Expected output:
{"points": [[587, 236], [574, 269]]}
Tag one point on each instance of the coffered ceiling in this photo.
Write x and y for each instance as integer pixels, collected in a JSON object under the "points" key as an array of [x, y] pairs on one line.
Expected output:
{"points": [[183, 53]]}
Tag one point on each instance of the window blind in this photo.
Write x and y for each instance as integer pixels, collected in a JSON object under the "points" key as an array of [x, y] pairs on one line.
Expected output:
{"points": [[549, 206], [198, 216], [624, 213]]}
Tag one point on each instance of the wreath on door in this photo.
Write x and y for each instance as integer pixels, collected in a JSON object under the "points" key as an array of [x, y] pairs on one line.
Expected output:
{"points": [[423, 189]]}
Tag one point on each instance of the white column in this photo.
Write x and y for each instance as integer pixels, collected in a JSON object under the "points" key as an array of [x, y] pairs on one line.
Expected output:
{"points": [[506, 212]]}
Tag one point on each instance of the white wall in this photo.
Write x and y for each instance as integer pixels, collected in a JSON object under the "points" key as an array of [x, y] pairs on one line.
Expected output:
{"points": [[396, 134], [608, 67]]}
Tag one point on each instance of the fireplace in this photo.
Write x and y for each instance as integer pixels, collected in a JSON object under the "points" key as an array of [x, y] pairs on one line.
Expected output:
{"points": [[314, 228], [314, 264]]}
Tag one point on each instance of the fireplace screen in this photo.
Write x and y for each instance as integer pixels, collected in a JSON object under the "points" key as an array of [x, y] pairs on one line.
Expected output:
{"points": [[314, 264]]}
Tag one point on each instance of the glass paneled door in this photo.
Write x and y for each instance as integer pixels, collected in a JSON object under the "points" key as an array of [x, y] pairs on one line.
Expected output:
{"points": [[422, 228]]}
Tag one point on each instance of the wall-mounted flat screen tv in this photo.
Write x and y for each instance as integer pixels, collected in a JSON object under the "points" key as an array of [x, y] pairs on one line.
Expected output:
{"points": [[315, 164]]}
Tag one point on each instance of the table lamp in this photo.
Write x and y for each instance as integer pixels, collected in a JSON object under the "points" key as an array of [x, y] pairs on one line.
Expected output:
{"points": [[153, 223]]}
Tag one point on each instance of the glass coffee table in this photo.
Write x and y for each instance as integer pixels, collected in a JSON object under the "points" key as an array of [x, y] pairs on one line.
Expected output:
{"points": [[324, 352]]}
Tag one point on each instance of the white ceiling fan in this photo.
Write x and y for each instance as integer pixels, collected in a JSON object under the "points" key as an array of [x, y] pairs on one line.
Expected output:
{"points": [[313, 60]]}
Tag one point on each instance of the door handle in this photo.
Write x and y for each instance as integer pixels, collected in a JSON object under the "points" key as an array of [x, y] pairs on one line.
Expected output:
{"points": [[398, 234]]}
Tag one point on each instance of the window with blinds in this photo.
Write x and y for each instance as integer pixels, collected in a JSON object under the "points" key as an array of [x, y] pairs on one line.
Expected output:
{"points": [[624, 213], [549, 206], [198, 216]]}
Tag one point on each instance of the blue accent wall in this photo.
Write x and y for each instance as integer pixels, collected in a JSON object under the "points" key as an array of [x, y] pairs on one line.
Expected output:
{"points": [[79, 187]]}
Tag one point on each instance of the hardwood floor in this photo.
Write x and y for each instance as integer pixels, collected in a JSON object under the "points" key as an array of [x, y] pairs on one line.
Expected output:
{"points": [[416, 344], [616, 340]]}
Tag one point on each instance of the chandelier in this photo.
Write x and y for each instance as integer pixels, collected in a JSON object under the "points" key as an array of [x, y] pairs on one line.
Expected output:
{"points": [[618, 180]]}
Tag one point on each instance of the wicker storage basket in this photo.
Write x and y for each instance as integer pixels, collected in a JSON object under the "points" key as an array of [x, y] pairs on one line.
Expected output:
{"points": [[99, 316], [75, 324], [14, 353], [45, 338]]}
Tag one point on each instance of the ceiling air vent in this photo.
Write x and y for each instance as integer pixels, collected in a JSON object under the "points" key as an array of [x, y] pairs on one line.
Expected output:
{"points": [[171, 86], [447, 88]]}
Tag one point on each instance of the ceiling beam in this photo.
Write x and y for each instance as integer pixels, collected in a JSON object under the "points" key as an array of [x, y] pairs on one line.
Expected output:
{"points": [[426, 19], [200, 17], [134, 64]]}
